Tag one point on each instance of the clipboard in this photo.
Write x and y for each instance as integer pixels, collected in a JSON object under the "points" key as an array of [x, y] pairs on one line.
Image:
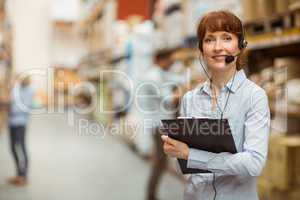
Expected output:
{"points": [[212, 135]]}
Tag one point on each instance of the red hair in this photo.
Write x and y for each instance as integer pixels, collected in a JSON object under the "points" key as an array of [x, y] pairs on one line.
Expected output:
{"points": [[221, 21]]}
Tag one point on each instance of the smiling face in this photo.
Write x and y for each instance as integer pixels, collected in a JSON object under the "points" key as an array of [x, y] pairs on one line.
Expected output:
{"points": [[216, 46], [218, 34]]}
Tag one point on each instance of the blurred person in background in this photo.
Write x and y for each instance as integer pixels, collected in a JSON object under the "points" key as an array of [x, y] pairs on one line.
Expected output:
{"points": [[158, 84], [20, 104]]}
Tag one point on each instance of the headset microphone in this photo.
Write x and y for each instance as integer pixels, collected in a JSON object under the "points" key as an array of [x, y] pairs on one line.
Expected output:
{"points": [[229, 59]]}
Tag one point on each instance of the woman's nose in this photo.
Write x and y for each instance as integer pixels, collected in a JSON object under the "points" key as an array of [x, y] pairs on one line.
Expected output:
{"points": [[218, 45]]}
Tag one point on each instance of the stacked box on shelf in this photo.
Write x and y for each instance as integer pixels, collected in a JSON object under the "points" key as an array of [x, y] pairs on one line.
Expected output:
{"points": [[293, 2], [258, 9], [268, 192], [281, 176], [281, 6], [264, 8], [295, 6], [292, 64], [249, 10]]}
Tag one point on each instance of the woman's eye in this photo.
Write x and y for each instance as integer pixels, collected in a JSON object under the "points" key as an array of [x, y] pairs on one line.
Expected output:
{"points": [[228, 38], [207, 40]]}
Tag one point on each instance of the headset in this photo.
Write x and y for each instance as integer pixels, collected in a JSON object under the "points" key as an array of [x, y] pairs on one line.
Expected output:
{"points": [[242, 44], [242, 41]]}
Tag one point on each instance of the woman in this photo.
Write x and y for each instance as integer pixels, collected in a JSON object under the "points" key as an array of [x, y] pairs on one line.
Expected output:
{"points": [[226, 94]]}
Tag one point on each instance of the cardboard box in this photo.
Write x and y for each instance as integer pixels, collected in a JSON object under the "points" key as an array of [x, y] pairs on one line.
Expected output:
{"points": [[258, 9], [281, 6], [279, 163], [267, 191], [291, 2], [249, 10], [297, 19], [282, 168], [292, 66]]}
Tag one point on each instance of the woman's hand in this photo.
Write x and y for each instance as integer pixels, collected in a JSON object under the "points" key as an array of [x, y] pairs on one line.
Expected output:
{"points": [[175, 148]]}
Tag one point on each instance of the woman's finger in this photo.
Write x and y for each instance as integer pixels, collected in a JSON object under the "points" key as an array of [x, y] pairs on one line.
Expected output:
{"points": [[164, 137], [168, 140]]}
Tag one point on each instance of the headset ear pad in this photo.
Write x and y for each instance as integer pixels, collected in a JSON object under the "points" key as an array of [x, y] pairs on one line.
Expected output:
{"points": [[242, 42]]}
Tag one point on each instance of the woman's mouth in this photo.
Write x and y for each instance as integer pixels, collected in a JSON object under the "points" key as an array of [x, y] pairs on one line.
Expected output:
{"points": [[219, 57]]}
